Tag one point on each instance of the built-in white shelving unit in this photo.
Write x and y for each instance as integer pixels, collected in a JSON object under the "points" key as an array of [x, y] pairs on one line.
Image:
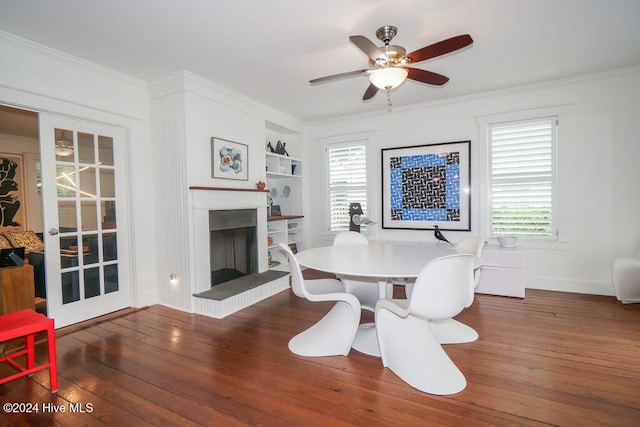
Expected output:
{"points": [[279, 165], [285, 219]]}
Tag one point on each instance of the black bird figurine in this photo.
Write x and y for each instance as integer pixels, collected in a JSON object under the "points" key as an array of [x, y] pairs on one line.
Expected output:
{"points": [[439, 235]]}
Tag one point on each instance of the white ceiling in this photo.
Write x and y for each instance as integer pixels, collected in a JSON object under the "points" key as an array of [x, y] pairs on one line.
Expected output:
{"points": [[269, 49]]}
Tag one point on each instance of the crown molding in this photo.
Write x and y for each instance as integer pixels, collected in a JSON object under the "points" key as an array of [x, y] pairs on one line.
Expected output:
{"points": [[487, 94], [186, 81], [45, 50]]}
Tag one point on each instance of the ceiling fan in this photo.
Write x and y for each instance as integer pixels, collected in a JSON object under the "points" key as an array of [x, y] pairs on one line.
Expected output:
{"points": [[389, 64]]}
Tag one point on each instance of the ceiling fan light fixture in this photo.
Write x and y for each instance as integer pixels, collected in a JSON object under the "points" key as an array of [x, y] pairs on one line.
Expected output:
{"points": [[63, 149], [388, 77]]}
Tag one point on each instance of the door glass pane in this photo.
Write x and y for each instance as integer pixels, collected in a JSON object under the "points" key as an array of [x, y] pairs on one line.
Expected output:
{"points": [[68, 251], [90, 249], [86, 148], [105, 147], [91, 282], [70, 287], [67, 216], [66, 180], [89, 212], [63, 145], [88, 182], [111, 278], [108, 210], [109, 247], [68, 259], [107, 184], [69, 242]]}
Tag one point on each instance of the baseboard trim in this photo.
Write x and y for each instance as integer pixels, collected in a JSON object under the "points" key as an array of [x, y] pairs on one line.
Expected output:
{"points": [[591, 287]]}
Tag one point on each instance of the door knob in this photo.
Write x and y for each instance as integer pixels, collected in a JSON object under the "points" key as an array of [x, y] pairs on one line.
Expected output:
{"points": [[53, 231]]}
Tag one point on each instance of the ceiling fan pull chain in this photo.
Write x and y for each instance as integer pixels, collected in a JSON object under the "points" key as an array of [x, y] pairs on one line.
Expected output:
{"points": [[388, 98]]}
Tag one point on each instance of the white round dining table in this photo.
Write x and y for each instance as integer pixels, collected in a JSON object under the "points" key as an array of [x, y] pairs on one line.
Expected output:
{"points": [[380, 262]]}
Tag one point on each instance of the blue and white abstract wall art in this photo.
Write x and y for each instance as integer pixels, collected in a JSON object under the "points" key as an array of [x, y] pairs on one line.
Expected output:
{"points": [[427, 185]]}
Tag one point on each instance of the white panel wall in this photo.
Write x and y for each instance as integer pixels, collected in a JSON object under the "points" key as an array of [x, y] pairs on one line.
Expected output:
{"points": [[187, 112], [599, 151], [208, 118], [171, 203], [36, 69], [36, 78]]}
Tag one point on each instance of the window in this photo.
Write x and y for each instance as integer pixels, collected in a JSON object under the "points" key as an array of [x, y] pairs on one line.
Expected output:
{"points": [[522, 169], [347, 166]]}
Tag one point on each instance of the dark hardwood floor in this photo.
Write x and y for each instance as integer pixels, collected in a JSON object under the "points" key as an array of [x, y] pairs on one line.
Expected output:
{"points": [[550, 359]]}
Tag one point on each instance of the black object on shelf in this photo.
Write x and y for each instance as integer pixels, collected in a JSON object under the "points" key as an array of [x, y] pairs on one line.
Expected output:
{"points": [[12, 257], [280, 148]]}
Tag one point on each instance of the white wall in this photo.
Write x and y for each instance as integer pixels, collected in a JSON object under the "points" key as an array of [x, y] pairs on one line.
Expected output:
{"points": [[43, 80], [599, 150]]}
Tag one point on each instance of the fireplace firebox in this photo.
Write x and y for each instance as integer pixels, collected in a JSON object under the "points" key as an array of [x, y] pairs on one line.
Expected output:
{"points": [[233, 247]]}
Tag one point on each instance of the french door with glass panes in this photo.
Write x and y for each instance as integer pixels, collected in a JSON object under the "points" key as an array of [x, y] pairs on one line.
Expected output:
{"points": [[85, 228]]}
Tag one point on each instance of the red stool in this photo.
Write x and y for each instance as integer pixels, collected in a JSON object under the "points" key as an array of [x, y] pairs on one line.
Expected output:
{"points": [[26, 323]]}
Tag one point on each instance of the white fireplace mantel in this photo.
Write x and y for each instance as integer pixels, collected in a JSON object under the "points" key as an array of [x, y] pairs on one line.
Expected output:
{"points": [[203, 200]]}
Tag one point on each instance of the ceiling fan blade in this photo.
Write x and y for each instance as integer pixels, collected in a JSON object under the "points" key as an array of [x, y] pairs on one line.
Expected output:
{"points": [[425, 76], [368, 47], [338, 76], [370, 92], [440, 48]]}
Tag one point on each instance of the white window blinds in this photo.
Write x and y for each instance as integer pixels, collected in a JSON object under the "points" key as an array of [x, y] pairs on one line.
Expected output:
{"points": [[347, 164], [522, 177]]}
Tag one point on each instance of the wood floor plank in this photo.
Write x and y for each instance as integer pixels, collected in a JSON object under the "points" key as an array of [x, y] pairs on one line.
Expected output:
{"points": [[549, 359], [202, 384], [179, 411]]}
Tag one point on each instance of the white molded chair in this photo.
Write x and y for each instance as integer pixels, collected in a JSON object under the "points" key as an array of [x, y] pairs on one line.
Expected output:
{"points": [[408, 344], [451, 331], [332, 335], [365, 290], [472, 245], [626, 279]]}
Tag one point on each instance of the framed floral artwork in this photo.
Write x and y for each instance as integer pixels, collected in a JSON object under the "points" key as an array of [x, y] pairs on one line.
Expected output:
{"points": [[229, 160]]}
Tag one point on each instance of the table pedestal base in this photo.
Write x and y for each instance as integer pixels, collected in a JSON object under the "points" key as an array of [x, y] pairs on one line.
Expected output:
{"points": [[366, 340]]}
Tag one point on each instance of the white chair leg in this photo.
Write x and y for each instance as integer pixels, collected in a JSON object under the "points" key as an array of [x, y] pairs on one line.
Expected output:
{"points": [[450, 331], [421, 363], [330, 336]]}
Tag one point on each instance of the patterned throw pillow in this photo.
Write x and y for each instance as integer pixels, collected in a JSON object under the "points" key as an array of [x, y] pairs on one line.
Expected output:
{"points": [[4, 242], [25, 239]]}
